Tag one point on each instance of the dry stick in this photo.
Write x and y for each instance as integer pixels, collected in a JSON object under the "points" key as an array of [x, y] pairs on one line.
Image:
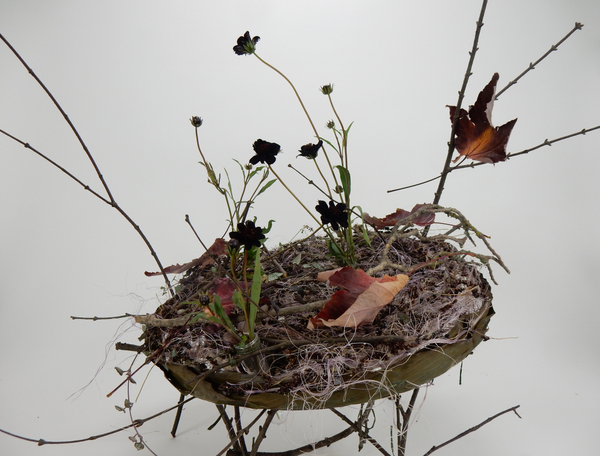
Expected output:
{"points": [[110, 201], [473, 429], [241, 433], [405, 421], [238, 426], [554, 47], [461, 95], [262, 432], [136, 423], [545, 143], [365, 434], [228, 425], [177, 416]]}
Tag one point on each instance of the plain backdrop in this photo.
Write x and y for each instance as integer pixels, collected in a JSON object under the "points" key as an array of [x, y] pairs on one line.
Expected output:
{"points": [[131, 74]]}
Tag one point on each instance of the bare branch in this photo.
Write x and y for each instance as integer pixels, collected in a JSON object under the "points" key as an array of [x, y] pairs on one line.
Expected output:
{"points": [[473, 429], [554, 47]]}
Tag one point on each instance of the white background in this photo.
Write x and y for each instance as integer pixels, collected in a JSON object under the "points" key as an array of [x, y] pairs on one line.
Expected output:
{"points": [[131, 74]]}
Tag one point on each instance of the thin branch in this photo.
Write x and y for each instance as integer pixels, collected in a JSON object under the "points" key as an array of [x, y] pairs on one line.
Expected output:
{"points": [[473, 429], [127, 315], [461, 95], [364, 434], [403, 428], [241, 433], [64, 114], [546, 142], [262, 433], [136, 423], [554, 47], [110, 200]]}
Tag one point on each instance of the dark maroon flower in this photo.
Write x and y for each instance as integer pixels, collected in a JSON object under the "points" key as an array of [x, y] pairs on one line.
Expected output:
{"points": [[335, 214], [265, 152], [248, 234], [310, 150], [245, 44]]}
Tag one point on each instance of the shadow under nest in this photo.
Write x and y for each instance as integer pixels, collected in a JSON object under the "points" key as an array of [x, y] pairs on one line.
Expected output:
{"points": [[433, 323]]}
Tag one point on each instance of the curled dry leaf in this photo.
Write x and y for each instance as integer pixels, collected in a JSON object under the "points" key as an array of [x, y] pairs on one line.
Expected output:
{"points": [[218, 248], [360, 300], [476, 138], [400, 214]]}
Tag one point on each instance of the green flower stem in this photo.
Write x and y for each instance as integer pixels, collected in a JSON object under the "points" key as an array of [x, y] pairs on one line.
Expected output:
{"points": [[344, 136], [213, 179], [309, 120], [331, 237]]}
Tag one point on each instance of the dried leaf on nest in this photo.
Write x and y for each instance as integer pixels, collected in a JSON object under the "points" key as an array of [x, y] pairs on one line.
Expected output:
{"points": [[218, 248], [427, 218], [360, 300]]}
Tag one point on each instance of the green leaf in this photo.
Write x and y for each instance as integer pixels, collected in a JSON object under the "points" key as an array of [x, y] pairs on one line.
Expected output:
{"points": [[268, 228], [266, 186], [364, 230], [330, 143], [298, 259], [217, 308], [255, 294], [345, 179]]}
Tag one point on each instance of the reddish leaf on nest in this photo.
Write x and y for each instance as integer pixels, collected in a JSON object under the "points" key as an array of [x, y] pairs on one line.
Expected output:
{"points": [[476, 138], [361, 299], [224, 288], [218, 248], [400, 214]]}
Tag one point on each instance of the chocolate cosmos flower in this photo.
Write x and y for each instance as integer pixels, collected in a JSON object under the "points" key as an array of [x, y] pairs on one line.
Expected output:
{"points": [[265, 152], [335, 214], [310, 150], [248, 235], [245, 44]]}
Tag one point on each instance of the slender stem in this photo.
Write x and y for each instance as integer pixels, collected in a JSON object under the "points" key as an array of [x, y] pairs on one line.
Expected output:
{"points": [[461, 95], [305, 112], [344, 149]]}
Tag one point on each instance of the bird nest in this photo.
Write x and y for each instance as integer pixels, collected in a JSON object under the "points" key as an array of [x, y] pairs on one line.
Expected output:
{"points": [[433, 323]]}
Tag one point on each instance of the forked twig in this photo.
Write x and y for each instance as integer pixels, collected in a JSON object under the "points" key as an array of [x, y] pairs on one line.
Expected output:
{"points": [[110, 200]]}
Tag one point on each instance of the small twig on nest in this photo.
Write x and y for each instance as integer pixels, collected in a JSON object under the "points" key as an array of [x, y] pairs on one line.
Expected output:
{"points": [[473, 429], [402, 424], [94, 318]]}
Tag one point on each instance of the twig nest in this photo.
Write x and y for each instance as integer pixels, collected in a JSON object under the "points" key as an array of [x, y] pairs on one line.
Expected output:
{"points": [[433, 323]]}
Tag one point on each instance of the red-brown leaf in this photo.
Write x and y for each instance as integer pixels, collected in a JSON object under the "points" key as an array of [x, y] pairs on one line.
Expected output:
{"points": [[476, 137], [361, 299], [218, 248], [400, 214]]}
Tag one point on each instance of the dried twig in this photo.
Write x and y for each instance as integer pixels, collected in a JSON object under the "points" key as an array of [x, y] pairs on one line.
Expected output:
{"points": [[554, 47], [473, 429], [110, 200]]}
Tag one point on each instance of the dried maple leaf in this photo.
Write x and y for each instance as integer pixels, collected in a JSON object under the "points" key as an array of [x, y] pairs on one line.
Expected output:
{"points": [[476, 137], [399, 215], [361, 299], [218, 248]]}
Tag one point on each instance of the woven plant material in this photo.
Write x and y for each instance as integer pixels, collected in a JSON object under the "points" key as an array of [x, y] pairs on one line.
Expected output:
{"points": [[433, 323]]}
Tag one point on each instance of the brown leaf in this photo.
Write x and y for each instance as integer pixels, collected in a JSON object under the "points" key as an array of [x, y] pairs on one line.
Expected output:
{"points": [[218, 248], [400, 214], [476, 137], [361, 299]]}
